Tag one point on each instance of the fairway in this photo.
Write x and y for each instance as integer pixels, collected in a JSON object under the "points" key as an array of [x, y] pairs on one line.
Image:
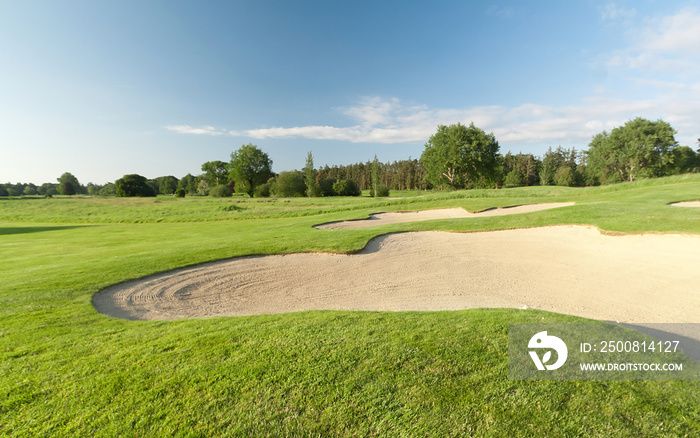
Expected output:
{"points": [[398, 329]]}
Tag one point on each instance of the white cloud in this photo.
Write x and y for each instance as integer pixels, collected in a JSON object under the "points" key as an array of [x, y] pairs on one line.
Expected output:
{"points": [[187, 129], [612, 12], [667, 44], [389, 121]]}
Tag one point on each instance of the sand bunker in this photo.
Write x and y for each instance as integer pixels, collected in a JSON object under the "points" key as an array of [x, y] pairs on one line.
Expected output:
{"points": [[443, 213], [568, 269], [687, 204]]}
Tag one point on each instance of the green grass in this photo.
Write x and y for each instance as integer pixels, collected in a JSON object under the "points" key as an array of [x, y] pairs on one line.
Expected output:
{"points": [[66, 370]]}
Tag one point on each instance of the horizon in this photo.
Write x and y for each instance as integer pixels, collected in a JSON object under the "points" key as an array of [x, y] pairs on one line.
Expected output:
{"points": [[158, 88]]}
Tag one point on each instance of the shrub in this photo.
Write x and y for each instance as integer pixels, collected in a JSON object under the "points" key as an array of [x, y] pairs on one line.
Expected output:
{"points": [[180, 193], [3, 192], [263, 190], [220, 191], [290, 184], [346, 187], [326, 186]]}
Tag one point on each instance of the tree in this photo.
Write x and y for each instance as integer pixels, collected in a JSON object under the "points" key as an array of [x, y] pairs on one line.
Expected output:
{"points": [[685, 160], [312, 189], [250, 167], [216, 172], [133, 185], [93, 189], [108, 190], [166, 184], [514, 179], [375, 177], [640, 147], [30, 190], [202, 187], [290, 184], [460, 156], [188, 183], [67, 188], [72, 180]]}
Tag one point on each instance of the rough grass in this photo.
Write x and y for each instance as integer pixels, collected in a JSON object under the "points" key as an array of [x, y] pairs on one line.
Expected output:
{"points": [[66, 370]]}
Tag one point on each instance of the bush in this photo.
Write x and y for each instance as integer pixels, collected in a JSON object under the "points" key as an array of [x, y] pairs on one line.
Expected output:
{"points": [[514, 179], [326, 186], [382, 191], [180, 193], [133, 185], [3, 192], [346, 187], [263, 190], [290, 184], [220, 191]]}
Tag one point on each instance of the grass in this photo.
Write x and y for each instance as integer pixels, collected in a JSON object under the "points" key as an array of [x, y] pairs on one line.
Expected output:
{"points": [[66, 370]]}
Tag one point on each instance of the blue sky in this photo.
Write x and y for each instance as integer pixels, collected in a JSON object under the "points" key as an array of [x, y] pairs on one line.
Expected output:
{"points": [[103, 89]]}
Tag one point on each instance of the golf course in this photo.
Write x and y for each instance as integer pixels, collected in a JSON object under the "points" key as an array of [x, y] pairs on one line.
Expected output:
{"points": [[300, 359]]}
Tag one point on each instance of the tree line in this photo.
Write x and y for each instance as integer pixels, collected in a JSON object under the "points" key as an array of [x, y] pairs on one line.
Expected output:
{"points": [[455, 157]]}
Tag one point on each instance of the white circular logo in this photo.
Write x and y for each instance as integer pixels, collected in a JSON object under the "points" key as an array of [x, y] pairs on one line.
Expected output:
{"points": [[542, 340]]}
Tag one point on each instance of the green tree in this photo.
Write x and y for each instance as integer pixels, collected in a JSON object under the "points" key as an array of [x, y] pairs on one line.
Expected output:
{"points": [[66, 188], [640, 147], [460, 156], [312, 188], [166, 184], [93, 189], [133, 185], [188, 183], [375, 177], [72, 180], [216, 172], [514, 179], [108, 190], [685, 160], [564, 176], [249, 167], [30, 189]]}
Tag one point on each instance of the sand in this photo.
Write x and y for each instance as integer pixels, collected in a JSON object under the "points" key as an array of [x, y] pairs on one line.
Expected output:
{"points": [[576, 270], [687, 204], [443, 213]]}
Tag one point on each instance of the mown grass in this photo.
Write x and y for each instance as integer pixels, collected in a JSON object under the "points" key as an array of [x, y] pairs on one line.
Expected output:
{"points": [[66, 370]]}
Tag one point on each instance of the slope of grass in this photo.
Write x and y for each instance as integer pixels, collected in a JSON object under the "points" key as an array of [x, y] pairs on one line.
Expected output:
{"points": [[66, 370]]}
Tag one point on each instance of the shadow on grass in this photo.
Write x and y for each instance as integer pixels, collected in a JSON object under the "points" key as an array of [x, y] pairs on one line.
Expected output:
{"points": [[23, 230]]}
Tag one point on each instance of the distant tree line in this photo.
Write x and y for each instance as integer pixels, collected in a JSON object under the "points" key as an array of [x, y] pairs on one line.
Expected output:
{"points": [[455, 157]]}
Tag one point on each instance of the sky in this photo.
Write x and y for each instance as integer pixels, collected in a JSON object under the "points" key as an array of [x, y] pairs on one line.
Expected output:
{"points": [[108, 88]]}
